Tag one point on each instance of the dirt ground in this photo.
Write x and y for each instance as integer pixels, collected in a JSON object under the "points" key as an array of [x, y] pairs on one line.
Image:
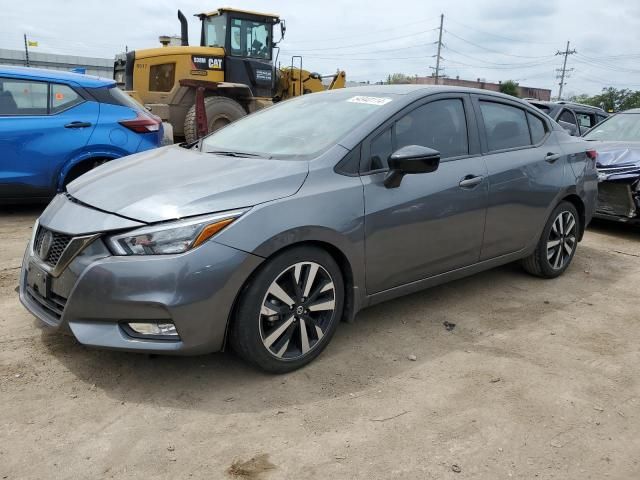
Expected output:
{"points": [[538, 379]]}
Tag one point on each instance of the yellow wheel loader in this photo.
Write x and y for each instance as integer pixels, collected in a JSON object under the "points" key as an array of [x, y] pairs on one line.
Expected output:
{"points": [[232, 73]]}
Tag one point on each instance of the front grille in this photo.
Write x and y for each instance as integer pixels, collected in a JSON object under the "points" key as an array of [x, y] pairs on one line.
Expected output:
{"points": [[53, 304], [619, 169], [59, 242]]}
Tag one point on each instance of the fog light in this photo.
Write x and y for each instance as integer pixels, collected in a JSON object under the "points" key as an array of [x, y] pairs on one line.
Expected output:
{"points": [[152, 329]]}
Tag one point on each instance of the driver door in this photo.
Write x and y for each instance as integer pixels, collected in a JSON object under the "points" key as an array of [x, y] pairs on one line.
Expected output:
{"points": [[433, 222]]}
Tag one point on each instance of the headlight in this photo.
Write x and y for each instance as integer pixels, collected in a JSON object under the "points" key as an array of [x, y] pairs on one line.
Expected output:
{"points": [[171, 238]]}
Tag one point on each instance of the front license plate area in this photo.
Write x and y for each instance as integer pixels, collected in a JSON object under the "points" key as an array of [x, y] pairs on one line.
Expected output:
{"points": [[39, 280]]}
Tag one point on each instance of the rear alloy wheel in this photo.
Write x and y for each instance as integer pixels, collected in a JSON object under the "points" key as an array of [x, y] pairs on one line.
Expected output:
{"points": [[289, 311], [557, 245], [562, 240]]}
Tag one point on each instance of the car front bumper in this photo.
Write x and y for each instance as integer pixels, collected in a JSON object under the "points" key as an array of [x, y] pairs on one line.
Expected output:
{"points": [[97, 294]]}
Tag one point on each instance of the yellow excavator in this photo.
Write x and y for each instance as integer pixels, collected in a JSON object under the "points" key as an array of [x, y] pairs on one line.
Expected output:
{"points": [[232, 73]]}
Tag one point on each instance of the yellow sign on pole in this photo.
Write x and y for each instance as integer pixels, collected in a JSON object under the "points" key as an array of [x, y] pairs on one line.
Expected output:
{"points": [[32, 43]]}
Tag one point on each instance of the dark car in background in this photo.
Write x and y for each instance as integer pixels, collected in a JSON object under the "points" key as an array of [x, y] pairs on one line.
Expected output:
{"points": [[271, 230], [617, 141], [55, 126], [576, 118]]}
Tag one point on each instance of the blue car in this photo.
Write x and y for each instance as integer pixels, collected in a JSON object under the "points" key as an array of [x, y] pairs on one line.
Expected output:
{"points": [[56, 126]]}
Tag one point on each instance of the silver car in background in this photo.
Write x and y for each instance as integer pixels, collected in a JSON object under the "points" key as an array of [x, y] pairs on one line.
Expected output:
{"points": [[269, 232], [617, 141]]}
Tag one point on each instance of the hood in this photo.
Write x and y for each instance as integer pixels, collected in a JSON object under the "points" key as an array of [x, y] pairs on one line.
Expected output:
{"points": [[174, 182], [618, 160]]}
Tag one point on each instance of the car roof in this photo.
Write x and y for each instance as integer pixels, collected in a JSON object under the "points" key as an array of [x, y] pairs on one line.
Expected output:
{"points": [[423, 90], [87, 81], [569, 105]]}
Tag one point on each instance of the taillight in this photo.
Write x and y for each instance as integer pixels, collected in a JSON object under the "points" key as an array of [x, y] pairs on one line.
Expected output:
{"points": [[592, 154], [143, 123]]}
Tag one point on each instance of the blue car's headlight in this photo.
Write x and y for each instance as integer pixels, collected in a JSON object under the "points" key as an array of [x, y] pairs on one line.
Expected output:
{"points": [[171, 238]]}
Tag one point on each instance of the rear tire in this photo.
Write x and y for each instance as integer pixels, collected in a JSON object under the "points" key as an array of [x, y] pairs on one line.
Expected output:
{"points": [[289, 311], [557, 245], [220, 112]]}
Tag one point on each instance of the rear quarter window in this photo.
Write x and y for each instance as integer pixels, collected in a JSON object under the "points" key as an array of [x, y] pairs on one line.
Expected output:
{"points": [[538, 128], [114, 96], [63, 97]]}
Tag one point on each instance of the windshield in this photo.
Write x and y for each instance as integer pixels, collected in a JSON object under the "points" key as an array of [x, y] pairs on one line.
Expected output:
{"points": [[300, 128], [623, 127], [215, 29]]}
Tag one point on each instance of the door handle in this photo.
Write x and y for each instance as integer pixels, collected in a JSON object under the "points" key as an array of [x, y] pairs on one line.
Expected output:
{"points": [[551, 157], [78, 125], [471, 181]]}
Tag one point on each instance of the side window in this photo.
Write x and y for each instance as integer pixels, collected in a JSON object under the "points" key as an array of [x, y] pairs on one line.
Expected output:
{"points": [[601, 118], [505, 126], [440, 125], [585, 120], [567, 116], [381, 149], [538, 128], [162, 77], [236, 48], [63, 97], [23, 97]]}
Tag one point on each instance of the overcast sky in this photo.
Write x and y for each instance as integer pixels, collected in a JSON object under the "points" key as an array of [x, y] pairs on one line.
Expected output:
{"points": [[370, 39]]}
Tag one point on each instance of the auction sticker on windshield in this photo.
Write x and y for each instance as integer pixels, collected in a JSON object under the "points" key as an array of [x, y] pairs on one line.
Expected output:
{"points": [[369, 100]]}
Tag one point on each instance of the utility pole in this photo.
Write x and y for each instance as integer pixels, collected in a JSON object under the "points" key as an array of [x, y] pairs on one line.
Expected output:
{"points": [[563, 71], [26, 51], [438, 57]]}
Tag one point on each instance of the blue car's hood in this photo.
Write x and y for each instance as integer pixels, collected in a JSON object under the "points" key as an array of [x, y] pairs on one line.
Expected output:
{"points": [[173, 182]]}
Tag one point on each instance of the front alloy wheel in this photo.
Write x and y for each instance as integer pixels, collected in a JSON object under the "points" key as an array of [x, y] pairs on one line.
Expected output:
{"points": [[289, 310], [297, 310]]}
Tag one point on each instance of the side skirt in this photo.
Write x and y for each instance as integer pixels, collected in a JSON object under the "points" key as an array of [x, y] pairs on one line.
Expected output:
{"points": [[446, 277]]}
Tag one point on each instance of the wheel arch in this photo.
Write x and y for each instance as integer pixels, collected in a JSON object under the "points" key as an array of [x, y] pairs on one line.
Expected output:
{"points": [[80, 161], [577, 202], [346, 268]]}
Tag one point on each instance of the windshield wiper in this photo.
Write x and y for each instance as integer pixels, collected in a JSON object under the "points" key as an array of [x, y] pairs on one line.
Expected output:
{"points": [[236, 154]]}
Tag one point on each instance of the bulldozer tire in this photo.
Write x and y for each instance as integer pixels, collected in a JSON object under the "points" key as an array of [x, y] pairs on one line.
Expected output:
{"points": [[221, 111]]}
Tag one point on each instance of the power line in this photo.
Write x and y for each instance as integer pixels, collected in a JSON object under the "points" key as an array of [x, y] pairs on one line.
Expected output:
{"points": [[367, 43], [513, 65], [363, 52], [404, 25], [500, 36], [492, 50]]}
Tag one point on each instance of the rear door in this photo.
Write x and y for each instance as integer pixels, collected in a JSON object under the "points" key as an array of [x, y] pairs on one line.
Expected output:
{"points": [[526, 171], [433, 222], [42, 125]]}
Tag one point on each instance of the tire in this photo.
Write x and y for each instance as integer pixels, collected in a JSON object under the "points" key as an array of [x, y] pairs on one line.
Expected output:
{"points": [[267, 330], [552, 256], [220, 112]]}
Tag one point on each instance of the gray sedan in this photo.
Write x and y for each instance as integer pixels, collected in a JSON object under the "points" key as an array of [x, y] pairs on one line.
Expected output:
{"points": [[269, 232]]}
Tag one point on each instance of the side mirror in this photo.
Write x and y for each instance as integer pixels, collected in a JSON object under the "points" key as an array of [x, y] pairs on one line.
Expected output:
{"points": [[408, 160], [569, 127]]}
